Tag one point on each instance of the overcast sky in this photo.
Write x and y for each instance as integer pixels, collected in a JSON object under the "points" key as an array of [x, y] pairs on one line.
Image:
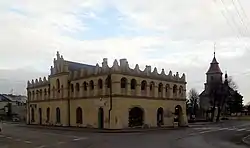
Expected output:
{"points": [[176, 35]]}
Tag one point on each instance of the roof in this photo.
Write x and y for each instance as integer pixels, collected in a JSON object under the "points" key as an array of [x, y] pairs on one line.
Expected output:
{"points": [[3, 98], [214, 67], [73, 66], [13, 98]]}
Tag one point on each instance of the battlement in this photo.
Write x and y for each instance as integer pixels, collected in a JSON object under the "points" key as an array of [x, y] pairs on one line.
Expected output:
{"points": [[78, 71], [123, 68], [38, 82]]}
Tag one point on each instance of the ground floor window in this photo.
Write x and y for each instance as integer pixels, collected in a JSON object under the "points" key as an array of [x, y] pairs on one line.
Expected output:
{"points": [[32, 115], [58, 115], [79, 115], [160, 117]]}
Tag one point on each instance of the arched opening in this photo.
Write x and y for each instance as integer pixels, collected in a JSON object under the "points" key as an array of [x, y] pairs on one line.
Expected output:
{"points": [[77, 87], [160, 90], [33, 95], [136, 115], [181, 91], [45, 92], [175, 90], [58, 115], [85, 86], [167, 90], [160, 116], [133, 84], [152, 89], [79, 115], [32, 115], [178, 115], [124, 83], [40, 115], [48, 114], [58, 85], [91, 84], [108, 81], [100, 84], [100, 118], [144, 87]]}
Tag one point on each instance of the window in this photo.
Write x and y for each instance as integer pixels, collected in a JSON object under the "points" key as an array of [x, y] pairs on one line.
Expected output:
{"points": [[48, 114], [91, 83], [58, 115], [79, 115], [143, 85], [85, 87], [123, 83], [133, 84], [100, 84], [77, 87]]}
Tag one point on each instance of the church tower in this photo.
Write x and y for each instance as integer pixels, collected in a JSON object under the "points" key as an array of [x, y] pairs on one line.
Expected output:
{"points": [[214, 73]]}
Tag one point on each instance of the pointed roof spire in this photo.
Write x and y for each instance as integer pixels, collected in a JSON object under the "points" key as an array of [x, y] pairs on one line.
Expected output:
{"points": [[214, 65]]}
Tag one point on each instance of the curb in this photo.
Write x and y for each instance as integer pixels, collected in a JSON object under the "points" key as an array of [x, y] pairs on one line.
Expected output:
{"points": [[86, 130], [244, 140]]}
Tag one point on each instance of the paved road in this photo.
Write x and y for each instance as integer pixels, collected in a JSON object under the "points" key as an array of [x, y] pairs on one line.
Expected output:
{"points": [[227, 135]]}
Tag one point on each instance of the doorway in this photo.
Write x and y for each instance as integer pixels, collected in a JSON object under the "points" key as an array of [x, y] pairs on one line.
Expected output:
{"points": [[101, 118]]}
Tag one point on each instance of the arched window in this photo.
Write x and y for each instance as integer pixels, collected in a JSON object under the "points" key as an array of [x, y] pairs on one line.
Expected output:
{"points": [[37, 94], [58, 115], [123, 82], [108, 82], [167, 90], [72, 87], [29, 95], [33, 94], [48, 114], [160, 87], [144, 85], [181, 90], [91, 84], [85, 86], [45, 91], [100, 84], [41, 92], [79, 115], [152, 86], [175, 90], [77, 87], [133, 84], [32, 115], [58, 85]]}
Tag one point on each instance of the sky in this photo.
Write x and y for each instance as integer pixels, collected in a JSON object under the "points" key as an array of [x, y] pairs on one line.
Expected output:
{"points": [[175, 35]]}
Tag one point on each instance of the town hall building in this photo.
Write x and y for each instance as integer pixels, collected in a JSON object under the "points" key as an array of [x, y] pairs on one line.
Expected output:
{"points": [[116, 97]]}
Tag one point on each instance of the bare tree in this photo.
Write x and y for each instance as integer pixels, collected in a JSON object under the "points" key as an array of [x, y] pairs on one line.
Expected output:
{"points": [[232, 83], [193, 96]]}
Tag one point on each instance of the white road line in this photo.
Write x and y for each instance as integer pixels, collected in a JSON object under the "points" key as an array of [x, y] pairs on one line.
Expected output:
{"points": [[80, 138], [28, 142], [9, 137], [42, 146], [59, 143]]}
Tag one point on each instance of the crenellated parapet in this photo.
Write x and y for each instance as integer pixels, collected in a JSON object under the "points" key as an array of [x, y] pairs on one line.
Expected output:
{"points": [[38, 82], [123, 68]]}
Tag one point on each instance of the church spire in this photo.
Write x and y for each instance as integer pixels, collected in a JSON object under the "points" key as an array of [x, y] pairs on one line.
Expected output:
{"points": [[214, 65]]}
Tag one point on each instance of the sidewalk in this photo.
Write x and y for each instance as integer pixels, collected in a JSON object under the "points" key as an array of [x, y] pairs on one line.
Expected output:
{"points": [[94, 130], [195, 124]]}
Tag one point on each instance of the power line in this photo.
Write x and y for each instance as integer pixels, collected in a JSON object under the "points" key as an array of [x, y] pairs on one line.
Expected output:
{"points": [[241, 18]]}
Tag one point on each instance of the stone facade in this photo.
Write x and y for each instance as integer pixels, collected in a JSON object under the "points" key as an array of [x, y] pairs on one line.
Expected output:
{"points": [[114, 97]]}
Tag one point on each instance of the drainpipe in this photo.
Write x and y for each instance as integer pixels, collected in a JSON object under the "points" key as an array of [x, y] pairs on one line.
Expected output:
{"points": [[110, 98], [68, 103]]}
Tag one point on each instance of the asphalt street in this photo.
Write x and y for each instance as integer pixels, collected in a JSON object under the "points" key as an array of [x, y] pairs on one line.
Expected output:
{"points": [[224, 135]]}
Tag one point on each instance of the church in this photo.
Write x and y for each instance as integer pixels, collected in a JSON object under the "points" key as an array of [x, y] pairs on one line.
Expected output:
{"points": [[214, 75], [116, 97]]}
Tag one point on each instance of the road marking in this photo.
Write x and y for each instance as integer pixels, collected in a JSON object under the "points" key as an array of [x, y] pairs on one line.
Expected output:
{"points": [[80, 138], [28, 142], [42, 146], [9, 137], [59, 143]]}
